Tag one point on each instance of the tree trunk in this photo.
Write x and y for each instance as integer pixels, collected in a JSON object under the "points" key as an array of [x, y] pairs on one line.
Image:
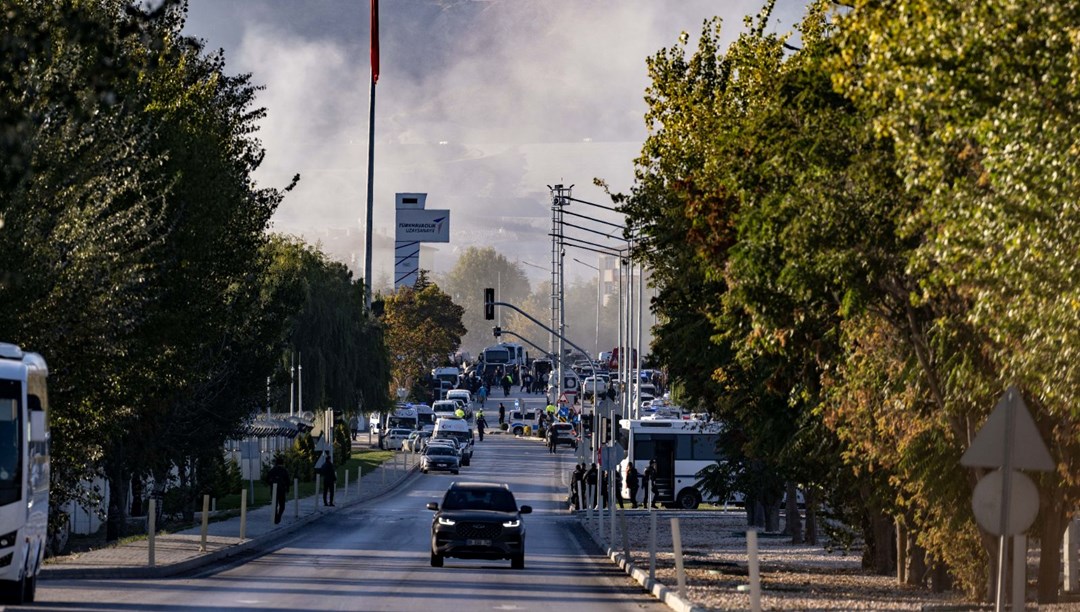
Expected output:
{"points": [[901, 553], [116, 522], [792, 521], [916, 574], [1055, 519], [811, 516], [879, 555]]}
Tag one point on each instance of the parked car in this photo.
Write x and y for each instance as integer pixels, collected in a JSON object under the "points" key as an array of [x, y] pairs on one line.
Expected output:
{"points": [[567, 435], [415, 442], [394, 438], [440, 457], [478, 521], [598, 383]]}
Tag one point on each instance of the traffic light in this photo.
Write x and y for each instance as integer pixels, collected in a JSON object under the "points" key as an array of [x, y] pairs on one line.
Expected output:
{"points": [[489, 304], [497, 331]]}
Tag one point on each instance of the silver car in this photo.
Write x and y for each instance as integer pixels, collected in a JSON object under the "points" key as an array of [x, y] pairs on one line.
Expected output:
{"points": [[440, 457]]}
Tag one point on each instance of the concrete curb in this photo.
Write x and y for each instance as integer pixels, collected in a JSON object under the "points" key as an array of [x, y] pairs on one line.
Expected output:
{"points": [[249, 545], [668, 596]]}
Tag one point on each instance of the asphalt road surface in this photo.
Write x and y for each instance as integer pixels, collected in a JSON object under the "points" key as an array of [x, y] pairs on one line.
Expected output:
{"points": [[376, 557]]}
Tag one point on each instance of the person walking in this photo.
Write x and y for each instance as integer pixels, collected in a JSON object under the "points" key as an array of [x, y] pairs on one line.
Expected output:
{"points": [[481, 394], [480, 425], [632, 477], [526, 383], [649, 482], [354, 426], [507, 382], [577, 483], [329, 475], [279, 476], [502, 413]]}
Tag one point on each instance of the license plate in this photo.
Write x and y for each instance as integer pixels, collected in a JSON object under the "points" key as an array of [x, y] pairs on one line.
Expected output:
{"points": [[478, 542]]}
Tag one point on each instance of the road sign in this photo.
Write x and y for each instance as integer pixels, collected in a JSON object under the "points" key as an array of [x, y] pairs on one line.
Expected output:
{"points": [[321, 444], [1023, 503], [1009, 439]]}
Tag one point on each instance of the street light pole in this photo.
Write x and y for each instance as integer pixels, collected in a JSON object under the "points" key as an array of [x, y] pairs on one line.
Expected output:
{"points": [[596, 342]]}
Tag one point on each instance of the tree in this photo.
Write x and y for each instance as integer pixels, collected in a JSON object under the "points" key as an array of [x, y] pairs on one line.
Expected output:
{"points": [[423, 326], [476, 269]]}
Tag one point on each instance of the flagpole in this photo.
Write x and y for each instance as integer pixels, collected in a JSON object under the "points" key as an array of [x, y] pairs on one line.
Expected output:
{"points": [[371, 153]]}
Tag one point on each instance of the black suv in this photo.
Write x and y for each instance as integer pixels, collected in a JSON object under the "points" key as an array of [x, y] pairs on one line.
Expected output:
{"points": [[478, 521]]}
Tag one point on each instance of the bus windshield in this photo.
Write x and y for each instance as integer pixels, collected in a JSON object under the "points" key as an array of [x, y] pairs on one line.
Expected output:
{"points": [[10, 441], [496, 355]]}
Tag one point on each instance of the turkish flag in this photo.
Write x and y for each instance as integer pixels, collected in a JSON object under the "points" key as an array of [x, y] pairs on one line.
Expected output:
{"points": [[374, 41]]}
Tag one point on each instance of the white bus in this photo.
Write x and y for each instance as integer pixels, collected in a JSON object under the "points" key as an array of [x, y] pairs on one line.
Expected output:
{"points": [[24, 471], [681, 449]]}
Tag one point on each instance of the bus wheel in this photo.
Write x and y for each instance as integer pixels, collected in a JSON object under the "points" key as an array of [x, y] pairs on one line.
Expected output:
{"points": [[688, 499]]}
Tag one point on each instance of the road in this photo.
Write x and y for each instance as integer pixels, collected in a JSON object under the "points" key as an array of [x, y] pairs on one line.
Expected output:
{"points": [[376, 557]]}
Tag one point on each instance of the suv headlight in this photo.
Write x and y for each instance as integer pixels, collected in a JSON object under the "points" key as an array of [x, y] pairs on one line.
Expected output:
{"points": [[512, 523], [446, 521]]}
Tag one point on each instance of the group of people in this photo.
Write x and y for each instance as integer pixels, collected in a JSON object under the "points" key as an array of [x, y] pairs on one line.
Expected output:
{"points": [[587, 481], [279, 475]]}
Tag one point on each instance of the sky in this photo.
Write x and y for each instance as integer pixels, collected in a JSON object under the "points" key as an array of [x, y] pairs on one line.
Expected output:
{"points": [[481, 104]]}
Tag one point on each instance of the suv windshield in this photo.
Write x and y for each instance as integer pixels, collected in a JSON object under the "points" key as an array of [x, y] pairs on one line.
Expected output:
{"points": [[439, 450], [498, 499]]}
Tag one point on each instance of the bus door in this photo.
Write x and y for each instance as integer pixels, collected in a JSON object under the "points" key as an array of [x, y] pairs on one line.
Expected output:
{"points": [[665, 467]]}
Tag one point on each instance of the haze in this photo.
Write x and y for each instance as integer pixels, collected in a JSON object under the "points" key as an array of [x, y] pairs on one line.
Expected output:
{"points": [[480, 103]]}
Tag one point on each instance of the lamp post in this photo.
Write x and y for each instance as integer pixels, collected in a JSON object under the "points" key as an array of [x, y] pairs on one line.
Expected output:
{"points": [[596, 342]]}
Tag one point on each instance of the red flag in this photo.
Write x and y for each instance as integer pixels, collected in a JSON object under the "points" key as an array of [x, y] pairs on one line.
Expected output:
{"points": [[374, 41]]}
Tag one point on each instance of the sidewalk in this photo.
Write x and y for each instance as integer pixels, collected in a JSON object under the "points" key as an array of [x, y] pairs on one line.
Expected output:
{"points": [[179, 552]]}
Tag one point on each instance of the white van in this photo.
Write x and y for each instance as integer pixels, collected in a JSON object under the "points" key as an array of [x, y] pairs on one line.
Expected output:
{"points": [[465, 397], [444, 408], [458, 429]]}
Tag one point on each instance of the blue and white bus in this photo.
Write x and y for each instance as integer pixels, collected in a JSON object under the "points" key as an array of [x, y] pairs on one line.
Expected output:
{"points": [[681, 448], [24, 471]]}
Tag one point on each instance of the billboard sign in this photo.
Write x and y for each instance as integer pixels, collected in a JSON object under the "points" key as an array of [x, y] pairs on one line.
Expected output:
{"points": [[420, 225]]}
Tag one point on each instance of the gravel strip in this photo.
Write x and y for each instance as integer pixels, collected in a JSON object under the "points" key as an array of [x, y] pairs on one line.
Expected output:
{"points": [[793, 577]]}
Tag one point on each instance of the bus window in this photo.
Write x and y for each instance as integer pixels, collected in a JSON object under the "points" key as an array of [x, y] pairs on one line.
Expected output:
{"points": [[644, 448], [10, 444], [704, 447], [684, 448]]}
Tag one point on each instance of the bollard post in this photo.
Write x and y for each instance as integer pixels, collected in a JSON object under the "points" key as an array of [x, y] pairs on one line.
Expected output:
{"points": [[382, 468], [273, 503], [676, 547], [318, 487], [600, 514], [611, 498], [205, 522], [345, 490], [1019, 577], [151, 527], [591, 493], [755, 578], [1072, 556], [213, 505], [625, 538], [296, 497], [243, 514], [359, 475], [652, 543]]}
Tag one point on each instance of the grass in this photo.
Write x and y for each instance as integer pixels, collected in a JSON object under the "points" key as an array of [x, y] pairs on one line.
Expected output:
{"points": [[367, 460]]}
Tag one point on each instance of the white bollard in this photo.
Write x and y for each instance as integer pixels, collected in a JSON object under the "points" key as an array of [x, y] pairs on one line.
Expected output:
{"points": [[652, 544], [345, 491], [625, 537], [359, 474], [580, 496], [600, 513], [1072, 556], [676, 548], [243, 514], [755, 578], [318, 491], [1019, 577], [151, 527], [205, 522], [273, 502], [611, 497]]}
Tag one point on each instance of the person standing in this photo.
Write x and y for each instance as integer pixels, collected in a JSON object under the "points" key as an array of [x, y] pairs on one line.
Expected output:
{"points": [[279, 476], [480, 425], [502, 413], [553, 439], [354, 426], [577, 484], [605, 484], [526, 383], [632, 477], [507, 382], [329, 474], [649, 481], [481, 394], [590, 486]]}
